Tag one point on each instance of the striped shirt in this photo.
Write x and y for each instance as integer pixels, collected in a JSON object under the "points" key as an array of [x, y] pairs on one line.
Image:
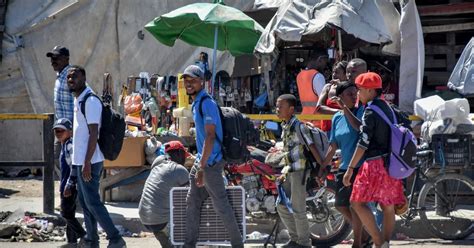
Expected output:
{"points": [[293, 146], [63, 98]]}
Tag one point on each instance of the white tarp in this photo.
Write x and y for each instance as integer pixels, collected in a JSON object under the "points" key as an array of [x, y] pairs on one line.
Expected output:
{"points": [[297, 18], [412, 58], [101, 36], [462, 77]]}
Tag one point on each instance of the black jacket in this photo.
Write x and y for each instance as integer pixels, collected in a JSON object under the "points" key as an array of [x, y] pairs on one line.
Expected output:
{"points": [[375, 133]]}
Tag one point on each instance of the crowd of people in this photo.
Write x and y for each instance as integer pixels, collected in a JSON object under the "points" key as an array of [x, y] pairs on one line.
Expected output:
{"points": [[361, 135]]}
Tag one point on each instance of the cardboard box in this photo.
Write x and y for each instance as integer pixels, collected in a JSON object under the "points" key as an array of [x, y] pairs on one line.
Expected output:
{"points": [[131, 155]]}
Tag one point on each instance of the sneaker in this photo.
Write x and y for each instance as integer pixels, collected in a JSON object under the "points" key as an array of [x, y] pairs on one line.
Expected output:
{"points": [[86, 244], [119, 243], [385, 245], [290, 244]]}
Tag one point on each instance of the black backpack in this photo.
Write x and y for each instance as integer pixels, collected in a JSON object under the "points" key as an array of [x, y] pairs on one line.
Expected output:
{"points": [[239, 132], [112, 129]]}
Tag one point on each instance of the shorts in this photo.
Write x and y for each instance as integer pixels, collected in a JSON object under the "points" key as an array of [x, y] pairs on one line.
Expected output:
{"points": [[374, 184], [343, 193]]}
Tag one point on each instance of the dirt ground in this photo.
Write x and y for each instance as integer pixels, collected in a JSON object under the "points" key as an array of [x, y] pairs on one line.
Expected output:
{"points": [[24, 186]]}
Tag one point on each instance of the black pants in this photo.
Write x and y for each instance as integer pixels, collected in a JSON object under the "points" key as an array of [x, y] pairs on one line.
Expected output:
{"points": [[74, 229]]}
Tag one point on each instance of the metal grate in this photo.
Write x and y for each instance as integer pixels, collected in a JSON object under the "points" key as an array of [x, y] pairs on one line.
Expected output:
{"points": [[211, 229]]}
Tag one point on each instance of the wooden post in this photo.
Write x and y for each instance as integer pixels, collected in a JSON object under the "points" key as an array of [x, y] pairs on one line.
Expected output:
{"points": [[48, 169]]}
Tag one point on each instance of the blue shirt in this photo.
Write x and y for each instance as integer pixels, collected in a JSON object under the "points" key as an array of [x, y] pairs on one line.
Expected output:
{"points": [[345, 136], [63, 98], [211, 115]]}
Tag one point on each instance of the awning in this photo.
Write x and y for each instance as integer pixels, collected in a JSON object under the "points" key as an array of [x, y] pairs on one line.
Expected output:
{"points": [[295, 19]]}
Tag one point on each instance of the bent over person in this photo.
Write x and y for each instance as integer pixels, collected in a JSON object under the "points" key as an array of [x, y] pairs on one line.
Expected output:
{"points": [[206, 175], [167, 171]]}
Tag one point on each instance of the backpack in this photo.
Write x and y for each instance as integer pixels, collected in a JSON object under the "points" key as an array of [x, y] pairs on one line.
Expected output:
{"points": [[320, 140], [112, 129], [238, 133], [402, 148]]}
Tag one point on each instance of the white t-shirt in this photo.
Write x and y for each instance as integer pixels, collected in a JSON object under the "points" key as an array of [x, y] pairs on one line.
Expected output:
{"points": [[318, 83], [93, 112]]}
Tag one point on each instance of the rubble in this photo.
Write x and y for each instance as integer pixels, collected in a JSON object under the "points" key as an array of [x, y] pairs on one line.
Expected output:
{"points": [[31, 227]]}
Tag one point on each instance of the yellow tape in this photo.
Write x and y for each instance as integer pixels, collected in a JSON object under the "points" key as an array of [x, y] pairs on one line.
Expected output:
{"points": [[271, 117], [24, 116]]}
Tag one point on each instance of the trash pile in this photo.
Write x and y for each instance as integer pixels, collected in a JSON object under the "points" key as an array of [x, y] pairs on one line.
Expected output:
{"points": [[22, 226]]}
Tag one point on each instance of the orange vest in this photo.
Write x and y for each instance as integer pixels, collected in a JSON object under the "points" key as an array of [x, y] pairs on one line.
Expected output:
{"points": [[308, 98]]}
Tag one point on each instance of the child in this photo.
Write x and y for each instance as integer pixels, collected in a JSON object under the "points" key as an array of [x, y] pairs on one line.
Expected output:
{"points": [[63, 132], [294, 217]]}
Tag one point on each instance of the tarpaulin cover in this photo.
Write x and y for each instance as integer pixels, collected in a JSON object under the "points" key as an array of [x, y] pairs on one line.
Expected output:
{"points": [[462, 77]]}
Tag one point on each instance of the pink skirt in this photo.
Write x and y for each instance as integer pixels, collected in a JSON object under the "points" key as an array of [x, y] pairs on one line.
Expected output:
{"points": [[374, 184]]}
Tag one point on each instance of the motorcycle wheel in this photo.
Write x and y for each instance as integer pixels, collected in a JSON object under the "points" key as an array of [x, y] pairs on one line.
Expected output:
{"points": [[327, 225]]}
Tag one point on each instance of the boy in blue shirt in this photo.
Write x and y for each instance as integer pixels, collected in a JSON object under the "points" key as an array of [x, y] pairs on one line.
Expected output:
{"points": [[63, 132]]}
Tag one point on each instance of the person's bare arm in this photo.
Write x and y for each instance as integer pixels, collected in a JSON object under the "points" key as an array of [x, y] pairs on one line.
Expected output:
{"points": [[91, 145], [322, 107], [358, 154], [351, 118]]}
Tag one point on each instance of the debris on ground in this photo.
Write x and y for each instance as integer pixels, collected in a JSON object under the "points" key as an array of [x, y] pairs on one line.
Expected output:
{"points": [[31, 227]]}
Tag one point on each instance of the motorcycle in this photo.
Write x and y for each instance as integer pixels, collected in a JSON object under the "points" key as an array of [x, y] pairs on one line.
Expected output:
{"points": [[328, 227]]}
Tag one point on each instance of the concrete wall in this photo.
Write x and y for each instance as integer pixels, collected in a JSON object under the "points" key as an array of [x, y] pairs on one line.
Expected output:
{"points": [[21, 140]]}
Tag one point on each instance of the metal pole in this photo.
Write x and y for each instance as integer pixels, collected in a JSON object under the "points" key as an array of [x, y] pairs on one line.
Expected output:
{"points": [[48, 169], [214, 52]]}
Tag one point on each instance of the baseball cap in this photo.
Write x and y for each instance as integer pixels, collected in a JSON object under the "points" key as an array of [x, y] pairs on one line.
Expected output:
{"points": [[63, 123], [369, 80], [175, 145], [58, 50], [193, 71]]}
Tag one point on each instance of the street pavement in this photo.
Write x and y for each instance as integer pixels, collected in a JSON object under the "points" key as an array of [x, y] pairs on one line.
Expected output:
{"points": [[126, 215], [151, 242]]}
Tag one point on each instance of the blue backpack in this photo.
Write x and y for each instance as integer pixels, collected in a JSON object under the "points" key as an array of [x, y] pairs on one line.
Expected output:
{"points": [[402, 148]]}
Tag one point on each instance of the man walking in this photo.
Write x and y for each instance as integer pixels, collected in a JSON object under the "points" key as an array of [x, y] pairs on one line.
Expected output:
{"points": [[206, 175], [88, 160]]}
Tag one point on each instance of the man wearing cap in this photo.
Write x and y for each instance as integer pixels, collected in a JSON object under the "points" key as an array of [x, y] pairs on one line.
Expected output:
{"points": [[206, 174], [372, 183], [67, 188], [63, 98], [167, 171]]}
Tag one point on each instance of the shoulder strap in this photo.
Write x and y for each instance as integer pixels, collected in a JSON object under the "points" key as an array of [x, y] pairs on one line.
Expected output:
{"points": [[83, 102], [380, 112], [220, 114], [201, 101]]}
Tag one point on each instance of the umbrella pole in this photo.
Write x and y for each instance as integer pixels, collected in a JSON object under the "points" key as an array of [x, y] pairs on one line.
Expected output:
{"points": [[214, 52]]}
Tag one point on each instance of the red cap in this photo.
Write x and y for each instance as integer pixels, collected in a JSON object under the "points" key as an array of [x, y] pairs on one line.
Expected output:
{"points": [[175, 145], [369, 80]]}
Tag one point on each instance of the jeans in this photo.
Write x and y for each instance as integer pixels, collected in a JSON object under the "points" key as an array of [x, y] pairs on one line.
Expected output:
{"points": [[296, 222], [74, 229], [93, 209], [215, 188]]}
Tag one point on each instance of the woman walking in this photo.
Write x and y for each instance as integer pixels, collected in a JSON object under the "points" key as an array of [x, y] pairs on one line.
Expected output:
{"points": [[373, 183], [344, 136]]}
